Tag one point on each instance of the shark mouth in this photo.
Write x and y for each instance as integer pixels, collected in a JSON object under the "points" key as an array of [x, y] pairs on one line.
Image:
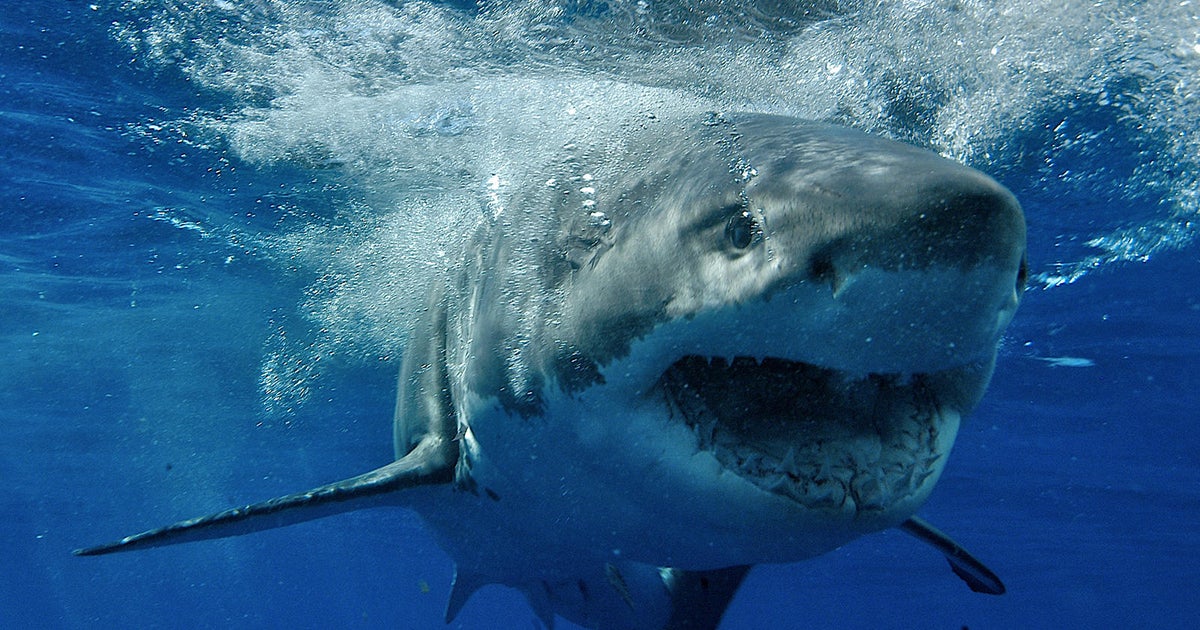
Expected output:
{"points": [[816, 435]]}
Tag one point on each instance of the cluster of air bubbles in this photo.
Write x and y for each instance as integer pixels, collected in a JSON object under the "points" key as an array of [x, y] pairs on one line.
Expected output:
{"points": [[286, 376], [744, 170], [588, 190], [599, 221]]}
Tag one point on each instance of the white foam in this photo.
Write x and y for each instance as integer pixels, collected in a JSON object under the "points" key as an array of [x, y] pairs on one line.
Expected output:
{"points": [[418, 105]]}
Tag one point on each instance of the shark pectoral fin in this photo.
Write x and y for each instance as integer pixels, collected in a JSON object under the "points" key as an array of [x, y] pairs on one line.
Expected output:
{"points": [[699, 598], [977, 576], [431, 462]]}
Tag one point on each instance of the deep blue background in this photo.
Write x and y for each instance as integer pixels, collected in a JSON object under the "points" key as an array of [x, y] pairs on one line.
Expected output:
{"points": [[129, 396]]}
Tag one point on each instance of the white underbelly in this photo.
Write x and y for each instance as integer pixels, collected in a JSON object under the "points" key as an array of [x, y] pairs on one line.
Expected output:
{"points": [[569, 486]]}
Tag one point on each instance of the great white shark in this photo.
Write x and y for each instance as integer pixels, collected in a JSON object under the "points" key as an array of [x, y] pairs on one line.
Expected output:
{"points": [[713, 341]]}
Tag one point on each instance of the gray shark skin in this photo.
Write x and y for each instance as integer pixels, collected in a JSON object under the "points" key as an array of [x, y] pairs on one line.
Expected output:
{"points": [[717, 341]]}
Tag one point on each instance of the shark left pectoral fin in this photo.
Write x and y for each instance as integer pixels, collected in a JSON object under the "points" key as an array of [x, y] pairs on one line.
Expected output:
{"points": [[966, 566], [431, 462]]}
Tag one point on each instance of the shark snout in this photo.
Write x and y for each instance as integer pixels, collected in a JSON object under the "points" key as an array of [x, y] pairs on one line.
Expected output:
{"points": [[960, 221], [930, 285]]}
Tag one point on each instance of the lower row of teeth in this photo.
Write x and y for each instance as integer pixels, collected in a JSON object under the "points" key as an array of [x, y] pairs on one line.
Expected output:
{"points": [[861, 472]]}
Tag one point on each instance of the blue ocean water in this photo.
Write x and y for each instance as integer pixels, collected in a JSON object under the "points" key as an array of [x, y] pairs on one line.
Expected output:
{"points": [[216, 217]]}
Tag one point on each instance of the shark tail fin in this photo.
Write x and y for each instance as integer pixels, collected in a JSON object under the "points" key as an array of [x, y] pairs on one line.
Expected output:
{"points": [[431, 462], [978, 577]]}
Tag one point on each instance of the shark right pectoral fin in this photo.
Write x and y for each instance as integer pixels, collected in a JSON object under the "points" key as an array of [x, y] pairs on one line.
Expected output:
{"points": [[978, 577], [431, 462]]}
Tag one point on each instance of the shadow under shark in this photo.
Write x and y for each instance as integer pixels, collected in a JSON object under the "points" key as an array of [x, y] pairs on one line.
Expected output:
{"points": [[716, 341]]}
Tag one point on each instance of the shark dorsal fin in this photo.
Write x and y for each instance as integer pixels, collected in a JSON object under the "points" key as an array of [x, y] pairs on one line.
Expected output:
{"points": [[431, 462]]}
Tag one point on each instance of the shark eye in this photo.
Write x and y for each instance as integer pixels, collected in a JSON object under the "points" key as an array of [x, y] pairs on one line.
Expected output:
{"points": [[742, 230]]}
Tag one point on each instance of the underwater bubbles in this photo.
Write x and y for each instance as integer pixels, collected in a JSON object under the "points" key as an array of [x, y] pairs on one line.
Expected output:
{"points": [[410, 107]]}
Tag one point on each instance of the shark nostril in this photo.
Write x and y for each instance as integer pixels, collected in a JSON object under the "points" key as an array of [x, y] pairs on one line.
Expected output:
{"points": [[821, 269]]}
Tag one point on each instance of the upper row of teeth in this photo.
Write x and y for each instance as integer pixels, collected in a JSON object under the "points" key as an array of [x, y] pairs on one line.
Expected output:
{"points": [[737, 361]]}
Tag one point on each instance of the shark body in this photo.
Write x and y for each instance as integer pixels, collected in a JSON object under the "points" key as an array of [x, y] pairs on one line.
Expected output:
{"points": [[718, 341]]}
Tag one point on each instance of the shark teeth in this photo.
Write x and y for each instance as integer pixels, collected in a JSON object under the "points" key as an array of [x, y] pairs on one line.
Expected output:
{"points": [[869, 491], [788, 463], [838, 443]]}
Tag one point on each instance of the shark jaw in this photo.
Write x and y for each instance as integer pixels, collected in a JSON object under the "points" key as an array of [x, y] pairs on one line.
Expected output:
{"points": [[807, 417], [867, 446]]}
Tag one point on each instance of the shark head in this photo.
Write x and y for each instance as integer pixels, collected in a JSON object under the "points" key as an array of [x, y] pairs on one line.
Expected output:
{"points": [[815, 308]]}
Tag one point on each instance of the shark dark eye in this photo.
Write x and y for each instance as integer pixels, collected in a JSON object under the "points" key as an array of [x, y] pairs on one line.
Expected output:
{"points": [[742, 230]]}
